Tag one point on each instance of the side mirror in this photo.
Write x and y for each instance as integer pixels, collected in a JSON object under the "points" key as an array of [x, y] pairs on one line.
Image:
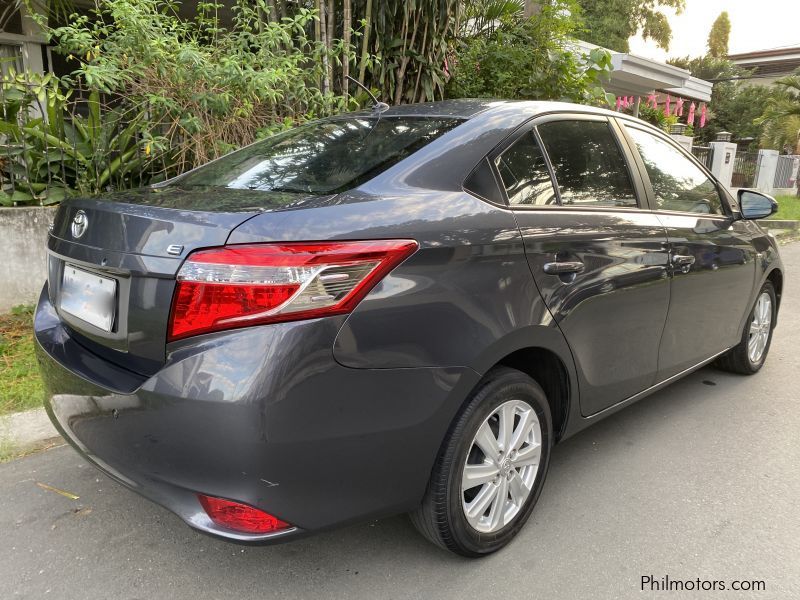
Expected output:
{"points": [[756, 205]]}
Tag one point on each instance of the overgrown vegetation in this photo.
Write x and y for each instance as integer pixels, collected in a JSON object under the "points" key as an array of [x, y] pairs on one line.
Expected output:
{"points": [[154, 93], [535, 58], [20, 384], [203, 87], [781, 118], [611, 23]]}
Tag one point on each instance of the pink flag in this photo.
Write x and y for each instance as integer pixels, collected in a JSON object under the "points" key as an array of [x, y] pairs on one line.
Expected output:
{"points": [[690, 119], [679, 107], [619, 103], [703, 115], [666, 106], [652, 101]]}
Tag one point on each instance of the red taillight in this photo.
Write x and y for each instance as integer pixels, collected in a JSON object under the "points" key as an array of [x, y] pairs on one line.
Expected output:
{"points": [[240, 517], [237, 286]]}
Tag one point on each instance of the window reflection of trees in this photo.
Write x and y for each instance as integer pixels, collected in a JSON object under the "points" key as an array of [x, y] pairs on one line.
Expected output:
{"points": [[677, 183], [588, 164], [323, 157], [525, 175]]}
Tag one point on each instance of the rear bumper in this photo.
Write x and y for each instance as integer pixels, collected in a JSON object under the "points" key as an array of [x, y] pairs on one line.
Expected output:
{"points": [[263, 416]]}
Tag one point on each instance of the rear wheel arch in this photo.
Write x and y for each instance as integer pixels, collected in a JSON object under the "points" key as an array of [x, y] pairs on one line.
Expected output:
{"points": [[547, 369], [539, 351]]}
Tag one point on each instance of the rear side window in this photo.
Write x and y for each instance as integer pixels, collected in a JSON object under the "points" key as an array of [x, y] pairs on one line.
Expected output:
{"points": [[678, 184], [524, 173], [589, 166], [323, 157]]}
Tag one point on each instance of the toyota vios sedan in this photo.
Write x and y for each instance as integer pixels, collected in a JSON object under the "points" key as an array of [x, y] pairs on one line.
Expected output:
{"points": [[394, 311]]}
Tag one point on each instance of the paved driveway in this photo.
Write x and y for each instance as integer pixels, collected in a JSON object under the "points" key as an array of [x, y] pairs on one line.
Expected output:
{"points": [[701, 480]]}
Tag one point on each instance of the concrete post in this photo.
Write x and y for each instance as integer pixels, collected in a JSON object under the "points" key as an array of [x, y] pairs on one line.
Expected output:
{"points": [[683, 140], [767, 166], [32, 47], [722, 161]]}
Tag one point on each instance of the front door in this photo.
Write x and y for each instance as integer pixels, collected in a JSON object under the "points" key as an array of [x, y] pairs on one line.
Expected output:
{"points": [[599, 261], [711, 255]]}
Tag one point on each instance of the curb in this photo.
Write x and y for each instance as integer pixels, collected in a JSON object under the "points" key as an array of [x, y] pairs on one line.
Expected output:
{"points": [[26, 431]]}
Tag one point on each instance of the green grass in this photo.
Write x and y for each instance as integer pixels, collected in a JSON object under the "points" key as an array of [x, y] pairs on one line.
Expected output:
{"points": [[20, 385], [789, 208]]}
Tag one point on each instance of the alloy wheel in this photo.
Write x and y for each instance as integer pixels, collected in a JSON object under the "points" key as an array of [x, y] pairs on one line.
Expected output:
{"points": [[501, 466], [760, 328]]}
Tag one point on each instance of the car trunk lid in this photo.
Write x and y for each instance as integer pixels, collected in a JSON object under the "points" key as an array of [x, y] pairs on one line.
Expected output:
{"points": [[113, 261]]}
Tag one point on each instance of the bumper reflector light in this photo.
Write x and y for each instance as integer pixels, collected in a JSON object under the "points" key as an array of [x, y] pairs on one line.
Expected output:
{"points": [[240, 517]]}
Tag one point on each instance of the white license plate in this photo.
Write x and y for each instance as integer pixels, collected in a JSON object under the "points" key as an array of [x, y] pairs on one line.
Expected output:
{"points": [[89, 297]]}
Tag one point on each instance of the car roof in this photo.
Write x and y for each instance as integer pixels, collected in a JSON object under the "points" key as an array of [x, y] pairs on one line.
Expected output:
{"points": [[467, 108]]}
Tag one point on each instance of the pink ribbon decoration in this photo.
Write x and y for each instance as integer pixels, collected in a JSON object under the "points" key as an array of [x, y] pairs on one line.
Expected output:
{"points": [[679, 107], [690, 119], [652, 101], [703, 115], [666, 106], [631, 101], [619, 103]]}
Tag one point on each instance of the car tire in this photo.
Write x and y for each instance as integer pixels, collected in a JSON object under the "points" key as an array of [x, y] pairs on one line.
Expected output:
{"points": [[760, 324], [451, 515]]}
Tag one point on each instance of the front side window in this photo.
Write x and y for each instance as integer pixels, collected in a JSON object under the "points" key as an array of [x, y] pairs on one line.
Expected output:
{"points": [[323, 157], [524, 173], [678, 184], [589, 166]]}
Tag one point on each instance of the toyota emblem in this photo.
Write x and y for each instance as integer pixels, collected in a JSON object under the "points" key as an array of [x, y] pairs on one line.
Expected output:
{"points": [[79, 224]]}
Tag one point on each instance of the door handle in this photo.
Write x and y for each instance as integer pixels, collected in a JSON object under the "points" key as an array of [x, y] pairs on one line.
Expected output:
{"points": [[684, 262], [564, 268]]}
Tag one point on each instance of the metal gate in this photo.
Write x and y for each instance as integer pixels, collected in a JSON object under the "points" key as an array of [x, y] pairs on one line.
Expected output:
{"points": [[745, 170], [704, 154], [786, 171]]}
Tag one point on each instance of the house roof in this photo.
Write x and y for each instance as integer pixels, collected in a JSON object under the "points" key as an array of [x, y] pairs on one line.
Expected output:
{"points": [[639, 76], [760, 54], [769, 63]]}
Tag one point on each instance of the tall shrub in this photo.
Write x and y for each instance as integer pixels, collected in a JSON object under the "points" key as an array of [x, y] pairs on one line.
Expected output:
{"points": [[531, 58], [203, 87]]}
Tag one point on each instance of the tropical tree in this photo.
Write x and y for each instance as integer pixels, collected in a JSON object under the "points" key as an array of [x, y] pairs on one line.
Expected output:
{"points": [[611, 23], [719, 35], [781, 118], [528, 58], [726, 113]]}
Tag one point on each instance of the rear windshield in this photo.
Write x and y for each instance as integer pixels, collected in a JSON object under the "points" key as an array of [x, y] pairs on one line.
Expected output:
{"points": [[324, 157]]}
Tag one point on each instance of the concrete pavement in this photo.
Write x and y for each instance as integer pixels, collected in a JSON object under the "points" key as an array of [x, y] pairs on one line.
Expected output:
{"points": [[700, 480]]}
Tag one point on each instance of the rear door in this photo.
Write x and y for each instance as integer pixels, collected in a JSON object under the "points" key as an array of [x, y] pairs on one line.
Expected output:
{"points": [[711, 254], [599, 261]]}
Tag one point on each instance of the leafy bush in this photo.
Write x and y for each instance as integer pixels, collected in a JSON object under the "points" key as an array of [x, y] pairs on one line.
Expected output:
{"points": [[531, 59], [203, 88], [656, 117], [49, 151]]}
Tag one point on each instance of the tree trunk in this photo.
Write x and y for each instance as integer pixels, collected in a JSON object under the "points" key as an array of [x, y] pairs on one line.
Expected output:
{"points": [[273, 11], [347, 19], [331, 20], [362, 69], [323, 37], [532, 7]]}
